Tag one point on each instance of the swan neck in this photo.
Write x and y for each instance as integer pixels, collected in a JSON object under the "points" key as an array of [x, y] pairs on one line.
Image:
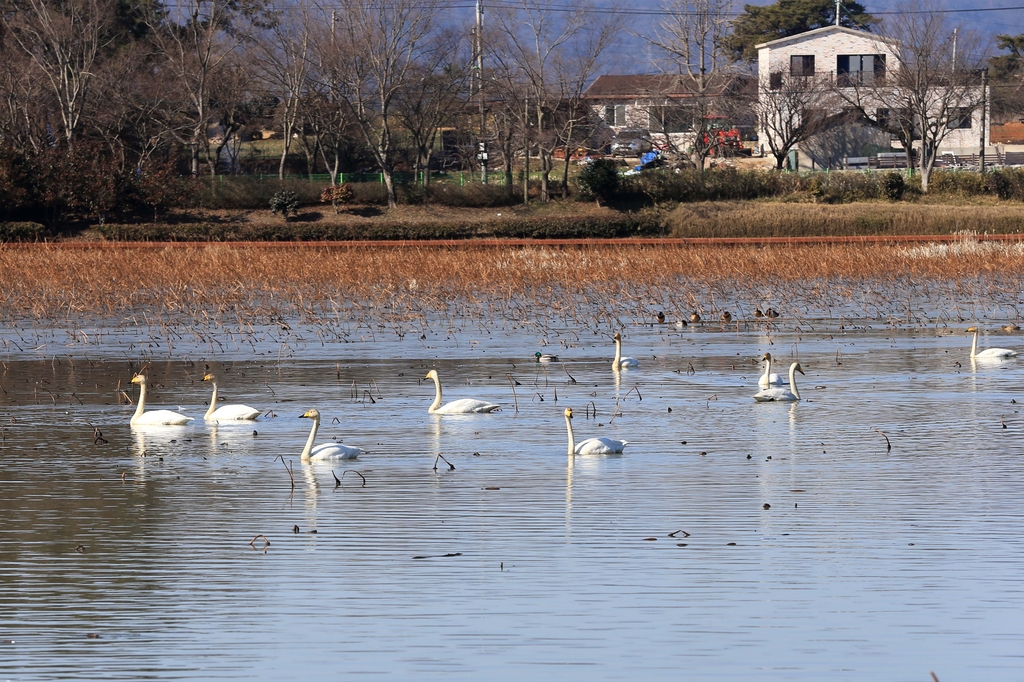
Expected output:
{"points": [[618, 355], [792, 381], [141, 407], [974, 345], [437, 395], [213, 402], [768, 370], [309, 441], [572, 441]]}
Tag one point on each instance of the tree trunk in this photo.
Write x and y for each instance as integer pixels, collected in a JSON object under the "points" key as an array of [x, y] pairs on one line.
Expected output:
{"points": [[545, 171], [389, 183], [285, 147], [526, 174], [565, 175]]}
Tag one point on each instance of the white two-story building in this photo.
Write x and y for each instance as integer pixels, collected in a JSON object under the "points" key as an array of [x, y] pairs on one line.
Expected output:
{"points": [[836, 58]]}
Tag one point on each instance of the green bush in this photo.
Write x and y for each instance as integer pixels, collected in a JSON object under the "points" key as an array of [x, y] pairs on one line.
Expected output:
{"points": [[600, 179], [893, 185], [284, 202], [1007, 183], [958, 183], [21, 232]]}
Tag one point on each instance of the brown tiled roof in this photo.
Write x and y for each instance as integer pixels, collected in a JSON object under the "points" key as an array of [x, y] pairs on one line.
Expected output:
{"points": [[659, 85]]}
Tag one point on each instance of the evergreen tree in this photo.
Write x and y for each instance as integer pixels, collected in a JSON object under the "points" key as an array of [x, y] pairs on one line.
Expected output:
{"points": [[789, 17]]}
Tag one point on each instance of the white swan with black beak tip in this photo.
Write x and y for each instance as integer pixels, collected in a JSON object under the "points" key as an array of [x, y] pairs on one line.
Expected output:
{"points": [[592, 446], [325, 451], [619, 361], [770, 378], [779, 394], [988, 353], [226, 413], [463, 406], [154, 417]]}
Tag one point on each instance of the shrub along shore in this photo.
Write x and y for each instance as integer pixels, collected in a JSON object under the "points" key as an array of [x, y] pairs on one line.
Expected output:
{"points": [[718, 203]]}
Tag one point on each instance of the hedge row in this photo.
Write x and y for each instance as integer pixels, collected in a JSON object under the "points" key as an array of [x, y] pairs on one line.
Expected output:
{"points": [[21, 232], [832, 188], [630, 225]]}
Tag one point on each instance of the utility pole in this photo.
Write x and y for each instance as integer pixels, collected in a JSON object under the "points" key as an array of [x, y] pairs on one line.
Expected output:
{"points": [[478, 47], [954, 50], [984, 118]]}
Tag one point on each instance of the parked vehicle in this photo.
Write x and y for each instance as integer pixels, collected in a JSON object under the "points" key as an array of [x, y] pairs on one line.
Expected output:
{"points": [[630, 143]]}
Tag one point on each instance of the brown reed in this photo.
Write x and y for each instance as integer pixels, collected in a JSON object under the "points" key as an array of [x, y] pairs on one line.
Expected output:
{"points": [[227, 283]]}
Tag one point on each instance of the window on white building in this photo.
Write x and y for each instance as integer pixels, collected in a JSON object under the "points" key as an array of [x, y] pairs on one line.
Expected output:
{"points": [[801, 65], [859, 69], [615, 114], [961, 119], [670, 119]]}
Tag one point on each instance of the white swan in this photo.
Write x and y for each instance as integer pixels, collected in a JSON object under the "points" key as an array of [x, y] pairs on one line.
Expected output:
{"points": [[324, 451], [620, 362], [769, 378], [592, 446], [154, 417], [779, 394], [226, 413], [988, 353], [463, 406]]}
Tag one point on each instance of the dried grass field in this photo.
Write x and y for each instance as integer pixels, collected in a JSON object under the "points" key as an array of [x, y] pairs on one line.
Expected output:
{"points": [[238, 283]]}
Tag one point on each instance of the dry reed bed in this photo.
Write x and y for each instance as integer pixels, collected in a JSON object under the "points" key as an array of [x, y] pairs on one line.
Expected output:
{"points": [[782, 219], [228, 283]]}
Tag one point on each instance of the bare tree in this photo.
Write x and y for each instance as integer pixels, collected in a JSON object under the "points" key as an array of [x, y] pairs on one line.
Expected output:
{"points": [[21, 119], [554, 53], [138, 114], [281, 53], [434, 95], [380, 45], [691, 38], [63, 40], [792, 109], [924, 90], [194, 40]]}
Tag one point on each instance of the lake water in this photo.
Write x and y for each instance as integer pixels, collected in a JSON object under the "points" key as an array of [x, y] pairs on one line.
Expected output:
{"points": [[732, 540]]}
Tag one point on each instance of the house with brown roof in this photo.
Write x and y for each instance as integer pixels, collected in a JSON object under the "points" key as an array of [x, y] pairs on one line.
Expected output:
{"points": [[667, 105]]}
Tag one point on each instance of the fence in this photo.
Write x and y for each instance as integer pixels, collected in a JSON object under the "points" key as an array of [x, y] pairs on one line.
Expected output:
{"points": [[460, 178]]}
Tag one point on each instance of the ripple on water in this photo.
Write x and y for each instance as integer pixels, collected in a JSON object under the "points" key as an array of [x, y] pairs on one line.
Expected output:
{"points": [[868, 564]]}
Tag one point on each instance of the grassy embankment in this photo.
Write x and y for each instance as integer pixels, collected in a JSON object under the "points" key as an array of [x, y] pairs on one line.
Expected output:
{"points": [[719, 203]]}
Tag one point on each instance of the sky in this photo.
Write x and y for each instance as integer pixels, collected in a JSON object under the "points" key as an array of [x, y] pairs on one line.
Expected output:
{"points": [[633, 55]]}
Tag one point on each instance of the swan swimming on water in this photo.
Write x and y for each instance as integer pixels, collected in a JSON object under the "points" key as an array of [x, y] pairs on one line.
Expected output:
{"points": [[988, 353], [769, 378], [463, 406], [325, 451], [779, 394], [154, 417], [227, 412], [592, 446], [619, 362]]}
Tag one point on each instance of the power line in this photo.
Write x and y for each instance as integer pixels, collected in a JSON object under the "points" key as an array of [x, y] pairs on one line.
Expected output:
{"points": [[666, 13]]}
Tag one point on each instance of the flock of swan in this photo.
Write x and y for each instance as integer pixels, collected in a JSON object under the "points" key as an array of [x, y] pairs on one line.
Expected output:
{"points": [[774, 388]]}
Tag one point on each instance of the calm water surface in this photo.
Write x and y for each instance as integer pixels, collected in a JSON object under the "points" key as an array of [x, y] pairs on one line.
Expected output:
{"points": [[733, 540]]}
